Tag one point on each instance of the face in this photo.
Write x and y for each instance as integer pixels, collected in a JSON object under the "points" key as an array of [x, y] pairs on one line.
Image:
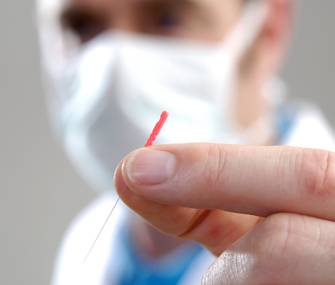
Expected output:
{"points": [[206, 20], [94, 82], [68, 25]]}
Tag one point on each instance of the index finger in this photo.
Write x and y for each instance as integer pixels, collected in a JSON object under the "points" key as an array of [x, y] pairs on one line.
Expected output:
{"points": [[243, 179]]}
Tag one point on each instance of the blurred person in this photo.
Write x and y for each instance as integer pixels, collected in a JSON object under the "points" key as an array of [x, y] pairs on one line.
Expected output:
{"points": [[111, 67]]}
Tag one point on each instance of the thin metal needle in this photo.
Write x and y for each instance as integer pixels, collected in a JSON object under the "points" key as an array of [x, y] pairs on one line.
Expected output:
{"points": [[117, 201], [150, 142]]}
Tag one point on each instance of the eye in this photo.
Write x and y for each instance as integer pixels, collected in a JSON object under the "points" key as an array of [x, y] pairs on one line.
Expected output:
{"points": [[167, 20], [164, 20], [83, 25]]}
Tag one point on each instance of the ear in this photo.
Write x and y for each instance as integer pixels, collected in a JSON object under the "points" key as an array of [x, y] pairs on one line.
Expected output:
{"points": [[264, 59]]}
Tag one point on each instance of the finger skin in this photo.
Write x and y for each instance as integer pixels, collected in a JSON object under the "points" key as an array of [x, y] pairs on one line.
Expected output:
{"points": [[252, 180], [214, 229], [283, 249]]}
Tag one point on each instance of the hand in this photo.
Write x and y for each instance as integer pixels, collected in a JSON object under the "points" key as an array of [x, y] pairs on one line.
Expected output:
{"points": [[267, 212]]}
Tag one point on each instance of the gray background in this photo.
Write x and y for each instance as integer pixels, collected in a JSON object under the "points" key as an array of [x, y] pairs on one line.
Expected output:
{"points": [[40, 193]]}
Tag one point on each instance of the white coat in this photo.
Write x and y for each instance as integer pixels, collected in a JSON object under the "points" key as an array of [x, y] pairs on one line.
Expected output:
{"points": [[309, 129]]}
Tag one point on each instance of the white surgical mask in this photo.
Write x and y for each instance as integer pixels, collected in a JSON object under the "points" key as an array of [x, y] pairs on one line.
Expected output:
{"points": [[113, 91]]}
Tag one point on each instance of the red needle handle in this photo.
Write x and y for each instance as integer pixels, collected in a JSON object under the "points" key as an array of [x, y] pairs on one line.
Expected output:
{"points": [[157, 129]]}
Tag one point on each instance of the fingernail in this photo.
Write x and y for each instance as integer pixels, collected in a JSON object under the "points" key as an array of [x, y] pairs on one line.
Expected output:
{"points": [[151, 167]]}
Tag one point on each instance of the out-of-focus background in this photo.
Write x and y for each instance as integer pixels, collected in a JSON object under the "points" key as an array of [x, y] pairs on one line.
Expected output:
{"points": [[39, 191]]}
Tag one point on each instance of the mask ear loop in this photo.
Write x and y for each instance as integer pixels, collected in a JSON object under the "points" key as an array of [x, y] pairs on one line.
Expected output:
{"points": [[241, 37], [150, 142]]}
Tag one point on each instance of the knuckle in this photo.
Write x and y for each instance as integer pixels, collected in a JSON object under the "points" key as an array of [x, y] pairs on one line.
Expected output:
{"points": [[276, 243], [215, 164], [318, 173], [284, 246]]}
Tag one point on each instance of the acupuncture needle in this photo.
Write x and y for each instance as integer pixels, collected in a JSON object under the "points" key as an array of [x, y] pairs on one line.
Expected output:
{"points": [[150, 142]]}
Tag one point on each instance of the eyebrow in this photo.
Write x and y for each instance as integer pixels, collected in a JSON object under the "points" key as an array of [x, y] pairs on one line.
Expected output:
{"points": [[72, 10], [191, 3], [183, 4]]}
